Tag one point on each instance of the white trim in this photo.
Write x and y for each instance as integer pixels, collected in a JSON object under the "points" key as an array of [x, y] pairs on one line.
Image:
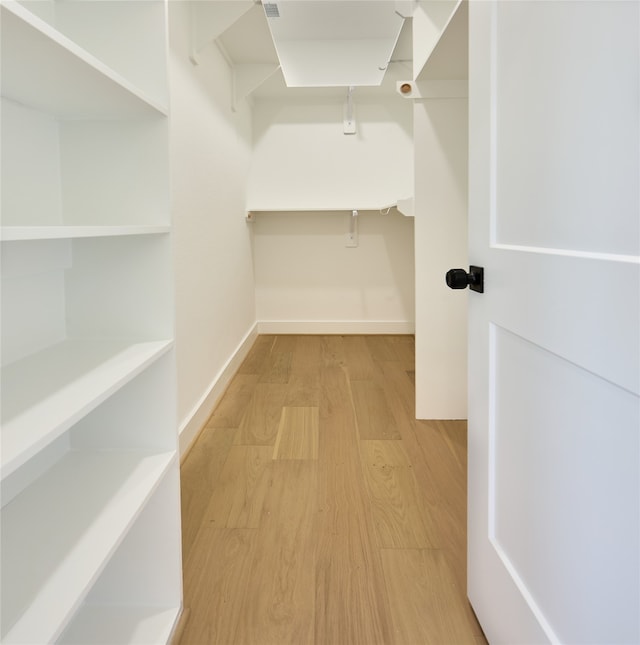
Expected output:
{"points": [[336, 327], [194, 422]]}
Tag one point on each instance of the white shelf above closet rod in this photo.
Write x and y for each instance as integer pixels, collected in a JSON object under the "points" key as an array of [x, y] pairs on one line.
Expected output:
{"points": [[404, 207]]}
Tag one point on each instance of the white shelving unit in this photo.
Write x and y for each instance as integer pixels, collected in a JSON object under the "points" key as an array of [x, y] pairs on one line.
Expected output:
{"points": [[90, 514]]}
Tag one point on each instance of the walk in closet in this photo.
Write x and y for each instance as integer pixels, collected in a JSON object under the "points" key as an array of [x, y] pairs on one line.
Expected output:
{"points": [[166, 198]]}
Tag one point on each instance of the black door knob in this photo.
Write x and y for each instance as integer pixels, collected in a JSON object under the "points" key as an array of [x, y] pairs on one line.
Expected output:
{"points": [[460, 279], [457, 279]]}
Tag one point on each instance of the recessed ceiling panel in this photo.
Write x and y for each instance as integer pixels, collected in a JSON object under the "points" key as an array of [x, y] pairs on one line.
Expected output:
{"points": [[327, 43]]}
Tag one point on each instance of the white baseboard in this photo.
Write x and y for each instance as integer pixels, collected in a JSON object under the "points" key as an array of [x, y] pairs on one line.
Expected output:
{"points": [[190, 428], [335, 327]]}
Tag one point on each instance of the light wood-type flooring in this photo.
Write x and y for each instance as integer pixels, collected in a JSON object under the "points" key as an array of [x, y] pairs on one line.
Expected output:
{"points": [[317, 510]]}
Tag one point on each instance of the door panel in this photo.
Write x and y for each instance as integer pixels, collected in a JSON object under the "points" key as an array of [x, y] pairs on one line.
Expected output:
{"points": [[554, 342], [566, 109], [556, 431], [571, 305]]}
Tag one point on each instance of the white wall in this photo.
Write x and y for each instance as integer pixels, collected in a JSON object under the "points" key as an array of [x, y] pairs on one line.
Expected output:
{"points": [[441, 157], [302, 158], [306, 280], [210, 154]]}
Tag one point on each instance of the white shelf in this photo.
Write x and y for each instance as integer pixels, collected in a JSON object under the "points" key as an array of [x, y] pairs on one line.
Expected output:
{"points": [[26, 233], [44, 394], [106, 625], [43, 69], [59, 533], [274, 208]]}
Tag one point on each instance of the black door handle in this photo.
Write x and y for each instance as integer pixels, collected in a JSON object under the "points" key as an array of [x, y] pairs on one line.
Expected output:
{"points": [[460, 279]]}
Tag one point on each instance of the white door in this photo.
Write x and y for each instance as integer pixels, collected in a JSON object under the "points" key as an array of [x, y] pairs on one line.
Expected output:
{"points": [[554, 350]]}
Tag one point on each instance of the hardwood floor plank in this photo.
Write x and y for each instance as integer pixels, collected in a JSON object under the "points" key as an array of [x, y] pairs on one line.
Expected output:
{"points": [[351, 601], [286, 343], [404, 347], [382, 349], [307, 357], [332, 348], [238, 498], [446, 510], [259, 425], [298, 434], [402, 391], [279, 605], [454, 434], [399, 514], [360, 365], [232, 406], [438, 442], [303, 390], [374, 418], [200, 473], [216, 577], [257, 355], [427, 605], [277, 367]]}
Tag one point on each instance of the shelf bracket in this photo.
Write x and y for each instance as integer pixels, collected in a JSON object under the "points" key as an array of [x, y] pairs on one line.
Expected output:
{"points": [[351, 238], [211, 19], [349, 115]]}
